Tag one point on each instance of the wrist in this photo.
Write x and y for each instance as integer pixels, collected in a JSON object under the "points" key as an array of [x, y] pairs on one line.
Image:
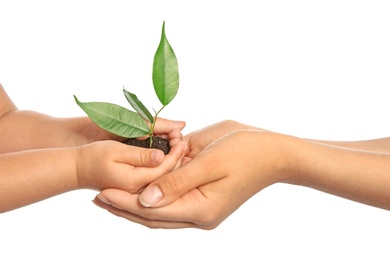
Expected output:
{"points": [[281, 153], [267, 157], [300, 157], [81, 167]]}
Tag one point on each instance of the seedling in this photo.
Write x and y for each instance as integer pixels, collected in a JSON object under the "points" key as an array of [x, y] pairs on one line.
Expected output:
{"points": [[129, 124]]}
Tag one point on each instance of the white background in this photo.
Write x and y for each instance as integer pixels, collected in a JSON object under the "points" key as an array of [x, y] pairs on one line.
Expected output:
{"points": [[314, 69]]}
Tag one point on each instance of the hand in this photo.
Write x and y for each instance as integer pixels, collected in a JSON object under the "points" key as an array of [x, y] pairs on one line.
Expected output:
{"points": [[34, 175], [206, 190], [200, 139], [233, 168], [111, 164], [88, 131], [164, 126], [170, 130], [43, 131]]}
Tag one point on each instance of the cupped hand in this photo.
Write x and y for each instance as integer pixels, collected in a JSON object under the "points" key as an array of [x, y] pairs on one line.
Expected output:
{"points": [[111, 164], [209, 188]]}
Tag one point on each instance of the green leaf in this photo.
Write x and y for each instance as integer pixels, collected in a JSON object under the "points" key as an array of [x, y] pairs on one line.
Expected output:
{"points": [[138, 105], [165, 71], [115, 119]]}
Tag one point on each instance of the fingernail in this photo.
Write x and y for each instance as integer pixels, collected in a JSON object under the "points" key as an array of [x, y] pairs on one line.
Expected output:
{"points": [[98, 203], [103, 199], [150, 196], [157, 156]]}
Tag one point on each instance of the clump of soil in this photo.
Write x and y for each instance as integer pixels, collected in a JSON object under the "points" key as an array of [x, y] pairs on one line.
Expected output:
{"points": [[158, 142]]}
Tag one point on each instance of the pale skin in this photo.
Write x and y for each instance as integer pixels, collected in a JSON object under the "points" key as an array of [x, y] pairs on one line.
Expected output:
{"points": [[229, 162], [43, 156]]}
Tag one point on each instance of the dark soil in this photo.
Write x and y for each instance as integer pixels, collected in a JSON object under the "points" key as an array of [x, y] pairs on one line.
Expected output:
{"points": [[158, 142]]}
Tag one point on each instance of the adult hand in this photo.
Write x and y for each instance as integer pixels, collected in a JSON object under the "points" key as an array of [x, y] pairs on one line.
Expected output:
{"points": [[200, 139], [209, 188]]}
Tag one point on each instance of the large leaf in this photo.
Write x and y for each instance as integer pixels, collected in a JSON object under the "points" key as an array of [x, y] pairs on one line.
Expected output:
{"points": [[115, 119], [165, 71], [138, 105]]}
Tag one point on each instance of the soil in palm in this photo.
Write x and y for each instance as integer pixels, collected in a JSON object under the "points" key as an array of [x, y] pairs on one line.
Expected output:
{"points": [[158, 142]]}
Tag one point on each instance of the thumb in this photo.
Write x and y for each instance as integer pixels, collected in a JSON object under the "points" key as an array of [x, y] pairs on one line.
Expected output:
{"points": [[171, 186], [136, 156], [164, 126]]}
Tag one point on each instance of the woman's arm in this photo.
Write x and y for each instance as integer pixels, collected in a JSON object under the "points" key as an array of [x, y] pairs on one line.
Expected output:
{"points": [[225, 174], [379, 145], [355, 174]]}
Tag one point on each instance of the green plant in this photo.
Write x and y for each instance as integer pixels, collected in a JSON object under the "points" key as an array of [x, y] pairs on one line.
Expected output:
{"points": [[126, 123]]}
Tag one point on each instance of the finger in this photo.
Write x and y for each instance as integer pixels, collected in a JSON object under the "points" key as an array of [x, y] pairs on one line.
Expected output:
{"points": [[139, 157], [141, 220], [126, 205], [175, 134], [144, 175], [185, 161], [164, 126], [172, 186], [174, 159], [147, 222], [174, 137], [172, 142]]}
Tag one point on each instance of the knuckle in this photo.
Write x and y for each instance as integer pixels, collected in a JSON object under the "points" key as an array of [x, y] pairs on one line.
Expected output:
{"points": [[231, 124], [144, 156], [209, 217], [172, 183], [228, 122]]}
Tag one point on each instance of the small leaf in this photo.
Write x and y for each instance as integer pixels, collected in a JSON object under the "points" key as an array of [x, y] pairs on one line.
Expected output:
{"points": [[138, 106], [165, 71], [115, 119]]}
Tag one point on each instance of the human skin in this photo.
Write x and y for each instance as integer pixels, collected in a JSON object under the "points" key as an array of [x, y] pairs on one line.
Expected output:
{"points": [[42, 156], [237, 161], [24, 130]]}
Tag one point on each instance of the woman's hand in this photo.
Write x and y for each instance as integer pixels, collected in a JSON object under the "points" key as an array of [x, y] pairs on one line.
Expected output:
{"points": [[200, 139], [233, 168], [209, 188]]}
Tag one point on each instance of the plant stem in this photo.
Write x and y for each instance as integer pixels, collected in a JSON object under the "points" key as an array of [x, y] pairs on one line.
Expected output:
{"points": [[151, 130]]}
